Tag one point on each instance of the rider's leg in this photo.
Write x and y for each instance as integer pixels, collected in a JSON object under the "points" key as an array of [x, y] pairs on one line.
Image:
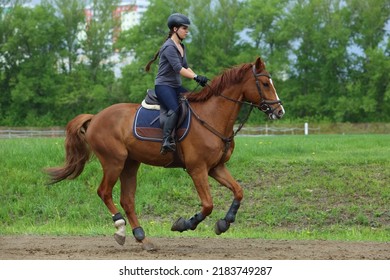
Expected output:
{"points": [[169, 144], [168, 97]]}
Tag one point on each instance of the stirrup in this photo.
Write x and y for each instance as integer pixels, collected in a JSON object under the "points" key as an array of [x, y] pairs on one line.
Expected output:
{"points": [[169, 147]]}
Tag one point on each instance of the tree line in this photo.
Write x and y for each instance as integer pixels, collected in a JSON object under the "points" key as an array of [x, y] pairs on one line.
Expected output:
{"points": [[329, 59]]}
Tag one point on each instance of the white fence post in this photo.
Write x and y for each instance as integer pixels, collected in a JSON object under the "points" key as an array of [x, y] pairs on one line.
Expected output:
{"points": [[306, 128]]}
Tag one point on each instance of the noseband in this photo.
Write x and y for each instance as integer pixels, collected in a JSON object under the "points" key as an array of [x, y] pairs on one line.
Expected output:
{"points": [[264, 105]]}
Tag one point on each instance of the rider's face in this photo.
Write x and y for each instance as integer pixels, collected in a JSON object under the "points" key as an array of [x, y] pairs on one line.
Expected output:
{"points": [[182, 31]]}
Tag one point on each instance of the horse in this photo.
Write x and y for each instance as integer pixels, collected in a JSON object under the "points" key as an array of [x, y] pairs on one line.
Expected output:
{"points": [[204, 152]]}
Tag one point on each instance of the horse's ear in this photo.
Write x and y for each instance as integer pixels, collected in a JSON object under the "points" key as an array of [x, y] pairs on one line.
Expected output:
{"points": [[260, 66]]}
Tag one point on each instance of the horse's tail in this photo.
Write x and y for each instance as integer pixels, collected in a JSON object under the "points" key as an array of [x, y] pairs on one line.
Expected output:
{"points": [[76, 149]]}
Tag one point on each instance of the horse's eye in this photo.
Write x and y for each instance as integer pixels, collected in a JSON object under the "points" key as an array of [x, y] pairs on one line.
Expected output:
{"points": [[266, 84]]}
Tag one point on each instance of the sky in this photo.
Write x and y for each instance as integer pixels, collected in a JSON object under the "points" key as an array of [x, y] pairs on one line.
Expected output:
{"points": [[35, 2]]}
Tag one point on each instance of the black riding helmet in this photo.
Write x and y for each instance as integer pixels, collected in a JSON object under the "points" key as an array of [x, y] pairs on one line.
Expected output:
{"points": [[177, 20]]}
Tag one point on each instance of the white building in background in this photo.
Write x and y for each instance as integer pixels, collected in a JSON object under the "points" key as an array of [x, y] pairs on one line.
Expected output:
{"points": [[129, 13]]}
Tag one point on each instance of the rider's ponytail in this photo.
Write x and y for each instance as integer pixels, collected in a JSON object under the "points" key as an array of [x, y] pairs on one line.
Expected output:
{"points": [[147, 67]]}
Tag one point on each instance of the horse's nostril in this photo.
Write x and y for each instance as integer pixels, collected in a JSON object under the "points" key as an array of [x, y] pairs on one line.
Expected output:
{"points": [[280, 113]]}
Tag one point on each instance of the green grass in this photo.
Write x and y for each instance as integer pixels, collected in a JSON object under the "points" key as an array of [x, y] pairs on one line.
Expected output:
{"points": [[333, 187]]}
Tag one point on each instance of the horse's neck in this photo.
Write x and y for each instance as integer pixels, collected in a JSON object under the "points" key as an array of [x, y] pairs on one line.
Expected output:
{"points": [[219, 112]]}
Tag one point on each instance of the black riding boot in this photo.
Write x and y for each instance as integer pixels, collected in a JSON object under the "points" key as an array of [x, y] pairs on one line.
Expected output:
{"points": [[169, 144]]}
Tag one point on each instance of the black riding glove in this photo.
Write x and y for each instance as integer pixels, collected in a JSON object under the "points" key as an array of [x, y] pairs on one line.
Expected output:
{"points": [[202, 80]]}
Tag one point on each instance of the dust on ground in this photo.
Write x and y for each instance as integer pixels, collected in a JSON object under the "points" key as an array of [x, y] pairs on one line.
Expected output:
{"points": [[27, 247]]}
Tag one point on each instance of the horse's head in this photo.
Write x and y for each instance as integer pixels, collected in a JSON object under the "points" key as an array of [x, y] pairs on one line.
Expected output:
{"points": [[260, 90]]}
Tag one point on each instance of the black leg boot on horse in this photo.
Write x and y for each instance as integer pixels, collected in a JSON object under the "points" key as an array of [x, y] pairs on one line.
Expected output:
{"points": [[169, 143]]}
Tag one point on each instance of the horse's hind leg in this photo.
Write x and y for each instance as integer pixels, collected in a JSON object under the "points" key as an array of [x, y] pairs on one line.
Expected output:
{"points": [[105, 193], [112, 167], [128, 180], [223, 176]]}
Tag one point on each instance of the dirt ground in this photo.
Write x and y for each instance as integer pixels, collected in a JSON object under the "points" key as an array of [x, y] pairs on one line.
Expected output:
{"points": [[95, 248]]}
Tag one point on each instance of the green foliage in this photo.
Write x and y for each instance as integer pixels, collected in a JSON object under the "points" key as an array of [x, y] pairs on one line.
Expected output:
{"points": [[305, 187], [71, 16], [329, 59]]}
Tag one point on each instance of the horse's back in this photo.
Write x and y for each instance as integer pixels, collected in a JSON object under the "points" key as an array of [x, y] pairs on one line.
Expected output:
{"points": [[115, 116], [110, 135], [111, 124]]}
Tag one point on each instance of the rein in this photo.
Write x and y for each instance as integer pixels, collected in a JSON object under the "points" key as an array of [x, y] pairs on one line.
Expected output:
{"points": [[264, 106], [212, 129], [226, 140]]}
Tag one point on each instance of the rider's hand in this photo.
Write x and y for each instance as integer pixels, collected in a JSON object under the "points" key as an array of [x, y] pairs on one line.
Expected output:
{"points": [[202, 80]]}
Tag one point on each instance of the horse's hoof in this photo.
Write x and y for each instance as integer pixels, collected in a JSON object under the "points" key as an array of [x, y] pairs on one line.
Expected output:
{"points": [[120, 239], [179, 225], [221, 226]]}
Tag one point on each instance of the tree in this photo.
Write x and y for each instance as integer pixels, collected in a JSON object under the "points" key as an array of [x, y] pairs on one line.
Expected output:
{"points": [[262, 23], [369, 35], [7, 62], [320, 39], [99, 35], [214, 35], [72, 19], [30, 57]]}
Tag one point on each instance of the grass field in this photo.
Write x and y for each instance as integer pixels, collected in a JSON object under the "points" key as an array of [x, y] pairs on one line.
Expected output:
{"points": [[333, 187]]}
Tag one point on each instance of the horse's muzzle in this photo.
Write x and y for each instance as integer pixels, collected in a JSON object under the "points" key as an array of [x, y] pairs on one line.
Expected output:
{"points": [[272, 112], [278, 113]]}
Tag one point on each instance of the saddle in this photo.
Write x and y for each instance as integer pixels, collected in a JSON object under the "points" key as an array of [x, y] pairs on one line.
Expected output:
{"points": [[151, 115]]}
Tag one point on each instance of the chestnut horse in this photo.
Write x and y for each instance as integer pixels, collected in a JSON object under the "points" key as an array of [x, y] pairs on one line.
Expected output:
{"points": [[203, 152]]}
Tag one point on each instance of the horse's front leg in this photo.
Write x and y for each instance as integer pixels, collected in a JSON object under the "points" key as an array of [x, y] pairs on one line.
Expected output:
{"points": [[222, 175], [200, 179]]}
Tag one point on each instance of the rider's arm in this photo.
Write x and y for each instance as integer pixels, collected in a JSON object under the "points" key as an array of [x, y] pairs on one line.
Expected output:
{"points": [[187, 73]]}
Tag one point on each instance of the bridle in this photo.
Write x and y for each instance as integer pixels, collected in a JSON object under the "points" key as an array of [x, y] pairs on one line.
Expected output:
{"points": [[264, 106]]}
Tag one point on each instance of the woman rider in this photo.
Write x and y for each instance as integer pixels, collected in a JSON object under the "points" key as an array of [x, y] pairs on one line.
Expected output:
{"points": [[172, 65]]}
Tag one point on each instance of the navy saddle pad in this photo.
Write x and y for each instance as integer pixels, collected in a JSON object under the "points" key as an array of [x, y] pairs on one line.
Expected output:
{"points": [[147, 125]]}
